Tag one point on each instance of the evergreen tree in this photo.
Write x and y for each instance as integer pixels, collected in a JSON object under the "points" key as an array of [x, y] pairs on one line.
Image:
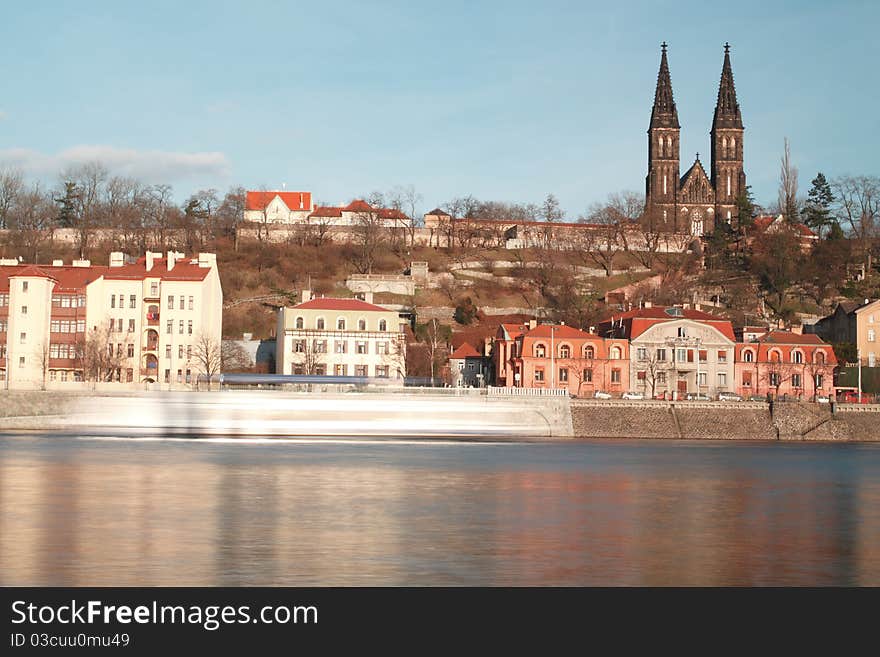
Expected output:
{"points": [[67, 213], [817, 212]]}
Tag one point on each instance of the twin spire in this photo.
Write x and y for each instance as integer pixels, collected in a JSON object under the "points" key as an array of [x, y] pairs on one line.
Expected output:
{"points": [[665, 115]]}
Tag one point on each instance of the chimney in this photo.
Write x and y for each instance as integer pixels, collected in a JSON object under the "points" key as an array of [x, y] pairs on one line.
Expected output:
{"points": [[117, 259], [8, 261], [696, 306], [150, 256], [207, 260], [57, 263], [306, 296], [171, 257], [592, 329], [532, 323], [82, 263], [648, 304]]}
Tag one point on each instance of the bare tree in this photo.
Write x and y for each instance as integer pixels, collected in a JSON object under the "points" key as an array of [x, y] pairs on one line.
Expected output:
{"points": [[788, 185], [11, 185], [99, 360], [435, 336], [405, 199], [368, 236], [857, 204], [41, 352], [234, 358], [31, 216], [610, 221], [84, 188]]}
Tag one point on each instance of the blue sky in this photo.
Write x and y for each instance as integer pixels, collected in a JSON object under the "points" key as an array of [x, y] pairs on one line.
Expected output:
{"points": [[502, 100]]}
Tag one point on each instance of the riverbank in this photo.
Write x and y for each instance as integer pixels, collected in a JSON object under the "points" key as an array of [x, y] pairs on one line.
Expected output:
{"points": [[429, 413]]}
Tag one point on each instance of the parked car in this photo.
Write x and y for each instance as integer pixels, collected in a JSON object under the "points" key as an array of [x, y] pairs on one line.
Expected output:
{"points": [[729, 396], [822, 399], [697, 396], [602, 395], [762, 398], [632, 395]]}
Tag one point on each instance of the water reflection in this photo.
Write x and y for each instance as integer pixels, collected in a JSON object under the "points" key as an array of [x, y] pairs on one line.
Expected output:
{"points": [[190, 512]]}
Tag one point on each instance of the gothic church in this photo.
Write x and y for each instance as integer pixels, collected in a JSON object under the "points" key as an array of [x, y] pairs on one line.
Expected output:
{"points": [[692, 203]]}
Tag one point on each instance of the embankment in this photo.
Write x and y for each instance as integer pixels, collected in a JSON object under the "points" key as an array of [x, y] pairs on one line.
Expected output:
{"points": [[729, 421]]}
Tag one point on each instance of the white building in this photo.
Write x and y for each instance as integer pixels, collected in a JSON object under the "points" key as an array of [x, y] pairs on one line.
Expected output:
{"points": [[150, 315], [340, 337], [280, 207]]}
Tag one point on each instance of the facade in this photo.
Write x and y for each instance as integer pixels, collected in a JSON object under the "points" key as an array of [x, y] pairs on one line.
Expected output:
{"points": [[152, 316], [559, 356], [867, 330], [780, 363], [692, 203], [853, 323], [468, 369], [297, 208], [340, 337], [675, 351]]}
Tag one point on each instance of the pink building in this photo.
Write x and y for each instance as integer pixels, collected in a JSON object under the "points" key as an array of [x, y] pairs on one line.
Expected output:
{"points": [[559, 356], [782, 363]]}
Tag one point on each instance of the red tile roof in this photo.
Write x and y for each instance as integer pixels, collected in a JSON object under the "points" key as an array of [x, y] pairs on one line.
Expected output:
{"points": [[326, 211], [358, 205], [183, 270], [329, 303], [558, 331], [639, 320], [465, 351], [258, 200], [437, 212], [786, 337]]}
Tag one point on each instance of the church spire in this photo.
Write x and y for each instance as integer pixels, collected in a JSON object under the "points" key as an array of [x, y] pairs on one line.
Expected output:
{"points": [[727, 114], [664, 114]]}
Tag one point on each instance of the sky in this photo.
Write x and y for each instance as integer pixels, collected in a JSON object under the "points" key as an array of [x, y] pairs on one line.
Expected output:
{"points": [[505, 101]]}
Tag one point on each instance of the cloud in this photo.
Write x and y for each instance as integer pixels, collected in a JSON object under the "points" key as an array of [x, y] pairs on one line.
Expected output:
{"points": [[148, 166], [3, 115]]}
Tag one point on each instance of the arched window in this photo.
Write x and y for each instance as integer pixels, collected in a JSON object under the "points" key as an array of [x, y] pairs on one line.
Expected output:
{"points": [[748, 356], [775, 356], [300, 322], [724, 146], [589, 352], [340, 324], [797, 356], [383, 325], [564, 351], [819, 357], [540, 351], [319, 324], [733, 147], [614, 354], [362, 325]]}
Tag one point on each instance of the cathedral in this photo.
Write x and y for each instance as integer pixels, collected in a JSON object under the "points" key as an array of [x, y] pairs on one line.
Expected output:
{"points": [[692, 203]]}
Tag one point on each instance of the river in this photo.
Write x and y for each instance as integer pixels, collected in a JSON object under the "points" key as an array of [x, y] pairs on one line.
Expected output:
{"points": [[132, 512]]}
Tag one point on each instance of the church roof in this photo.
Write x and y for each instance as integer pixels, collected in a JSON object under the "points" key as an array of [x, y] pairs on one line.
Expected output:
{"points": [[695, 170], [727, 114], [664, 114]]}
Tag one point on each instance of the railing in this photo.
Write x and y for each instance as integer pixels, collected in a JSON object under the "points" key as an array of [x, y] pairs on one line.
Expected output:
{"points": [[527, 392]]}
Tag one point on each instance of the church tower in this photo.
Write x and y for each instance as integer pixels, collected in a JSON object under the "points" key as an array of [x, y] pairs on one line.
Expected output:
{"points": [[661, 184], [728, 177]]}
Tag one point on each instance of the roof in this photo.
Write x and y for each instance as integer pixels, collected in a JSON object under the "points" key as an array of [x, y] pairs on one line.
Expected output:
{"points": [[639, 320], [438, 213], [330, 303], [763, 222], [558, 331], [786, 337], [465, 351], [326, 211], [513, 331], [358, 205], [695, 170], [258, 200], [183, 270]]}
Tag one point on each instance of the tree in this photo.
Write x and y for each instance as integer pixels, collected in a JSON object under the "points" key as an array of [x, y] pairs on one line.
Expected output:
{"points": [[435, 336], [84, 185], [788, 184], [234, 358], [11, 185], [230, 212], [368, 236], [817, 211], [776, 373], [41, 352], [551, 211], [99, 361], [31, 217], [608, 234], [776, 261], [208, 355], [857, 204], [405, 199]]}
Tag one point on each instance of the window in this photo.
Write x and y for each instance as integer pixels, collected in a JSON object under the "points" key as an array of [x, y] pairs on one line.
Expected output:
{"points": [[704, 355], [169, 326], [795, 380], [191, 303], [320, 347], [189, 327], [701, 379], [722, 379], [818, 381], [748, 356], [110, 350], [24, 286], [362, 325], [180, 351], [167, 376], [167, 351], [747, 379], [320, 324], [563, 375], [129, 375], [797, 357], [871, 335], [182, 301], [21, 358], [119, 325], [774, 379], [181, 327], [382, 347], [539, 375], [681, 355], [588, 376], [661, 355], [154, 289], [361, 347], [642, 353], [340, 346], [690, 355], [382, 371], [180, 376], [722, 356], [564, 351], [360, 370], [299, 346], [4, 326], [131, 326], [122, 301], [682, 331], [300, 323], [661, 377], [112, 325], [189, 352], [589, 352], [23, 338], [132, 301], [383, 325], [340, 369], [112, 300], [54, 351], [615, 376], [641, 375], [540, 351], [775, 357], [170, 302], [614, 354], [130, 350], [4, 299], [24, 310], [76, 376], [340, 324], [320, 370], [52, 375], [188, 373]]}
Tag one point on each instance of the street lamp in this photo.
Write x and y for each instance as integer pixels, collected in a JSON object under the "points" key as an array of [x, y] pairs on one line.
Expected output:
{"points": [[552, 358]]}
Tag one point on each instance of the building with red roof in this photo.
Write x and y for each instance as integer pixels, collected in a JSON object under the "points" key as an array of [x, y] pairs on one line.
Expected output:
{"points": [[781, 363], [132, 321], [324, 336], [469, 368], [282, 207]]}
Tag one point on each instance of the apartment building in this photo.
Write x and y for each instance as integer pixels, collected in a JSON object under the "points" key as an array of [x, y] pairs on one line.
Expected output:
{"points": [[132, 321], [782, 363], [340, 337]]}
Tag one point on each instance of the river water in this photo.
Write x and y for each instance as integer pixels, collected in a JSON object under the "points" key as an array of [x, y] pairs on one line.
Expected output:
{"points": [[127, 512]]}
